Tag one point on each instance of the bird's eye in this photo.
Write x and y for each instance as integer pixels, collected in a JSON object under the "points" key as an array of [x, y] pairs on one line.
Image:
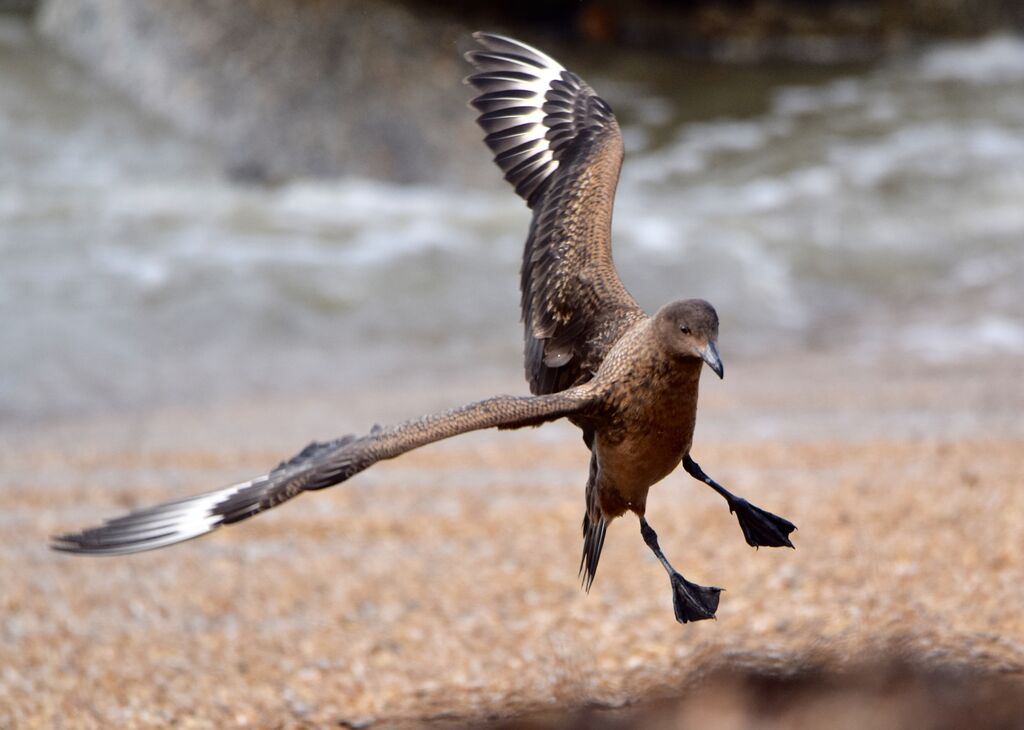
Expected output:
{"points": [[684, 329]]}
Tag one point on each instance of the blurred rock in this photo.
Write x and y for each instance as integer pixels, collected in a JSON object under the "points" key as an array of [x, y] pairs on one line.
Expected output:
{"points": [[17, 6], [371, 87], [286, 87], [890, 693], [753, 31]]}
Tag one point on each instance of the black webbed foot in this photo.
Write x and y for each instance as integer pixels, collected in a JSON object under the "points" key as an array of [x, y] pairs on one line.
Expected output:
{"points": [[760, 527], [691, 601]]}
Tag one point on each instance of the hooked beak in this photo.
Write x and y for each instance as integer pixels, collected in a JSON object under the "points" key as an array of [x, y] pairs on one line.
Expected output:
{"points": [[710, 355]]}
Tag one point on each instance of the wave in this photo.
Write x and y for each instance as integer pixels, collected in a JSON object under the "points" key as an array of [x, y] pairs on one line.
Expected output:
{"points": [[876, 210]]}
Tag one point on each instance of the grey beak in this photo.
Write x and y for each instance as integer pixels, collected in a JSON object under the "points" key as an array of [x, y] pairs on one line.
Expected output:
{"points": [[710, 356]]}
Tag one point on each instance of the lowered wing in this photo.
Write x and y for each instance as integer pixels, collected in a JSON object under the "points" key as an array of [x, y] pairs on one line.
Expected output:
{"points": [[318, 466]]}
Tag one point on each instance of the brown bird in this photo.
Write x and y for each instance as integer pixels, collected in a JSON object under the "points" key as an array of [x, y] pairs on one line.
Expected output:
{"points": [[627, 380]]}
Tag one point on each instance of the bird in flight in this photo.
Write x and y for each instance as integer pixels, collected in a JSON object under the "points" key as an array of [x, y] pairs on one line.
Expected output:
{"points": [[628, 380]]}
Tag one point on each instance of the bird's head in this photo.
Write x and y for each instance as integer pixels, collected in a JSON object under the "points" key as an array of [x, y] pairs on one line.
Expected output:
{"points": [[689, 328]]}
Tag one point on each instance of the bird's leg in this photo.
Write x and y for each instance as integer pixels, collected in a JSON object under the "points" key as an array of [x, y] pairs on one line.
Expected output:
{"points": [[759, 526], [691, 601]]}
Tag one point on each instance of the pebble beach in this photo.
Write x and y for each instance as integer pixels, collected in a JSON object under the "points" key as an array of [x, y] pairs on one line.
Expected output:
{"points": [[441, 589]]}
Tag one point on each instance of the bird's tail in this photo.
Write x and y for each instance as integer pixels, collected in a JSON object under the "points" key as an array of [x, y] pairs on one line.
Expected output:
{"points": [[593, 542], [594, 527]]}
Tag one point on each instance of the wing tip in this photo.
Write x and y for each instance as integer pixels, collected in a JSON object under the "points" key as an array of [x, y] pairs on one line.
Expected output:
{"points": [[151, 527], [513, 80], [102, 541], [79, 544], [64, 543], [484, 37], [528, 98]]}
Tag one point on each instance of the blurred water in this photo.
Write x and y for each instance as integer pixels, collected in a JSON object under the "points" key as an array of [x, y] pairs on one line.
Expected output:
{"points": [[877, 211]]}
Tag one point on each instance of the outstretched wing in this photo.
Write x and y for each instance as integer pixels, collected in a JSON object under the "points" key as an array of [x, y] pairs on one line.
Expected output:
{"points": [[559, 144], [317, 466]]}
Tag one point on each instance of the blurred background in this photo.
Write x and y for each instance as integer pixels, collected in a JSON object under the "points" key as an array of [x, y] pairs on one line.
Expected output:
{"points": [[214, 200], [230, 226]]}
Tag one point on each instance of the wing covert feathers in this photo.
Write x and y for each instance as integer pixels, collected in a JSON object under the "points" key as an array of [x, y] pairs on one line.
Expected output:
{"points": [[317, 466]]}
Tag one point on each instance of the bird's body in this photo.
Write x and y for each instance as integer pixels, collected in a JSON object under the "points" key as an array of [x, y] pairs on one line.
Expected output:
{"points": [[651, 412], [628, 380]]}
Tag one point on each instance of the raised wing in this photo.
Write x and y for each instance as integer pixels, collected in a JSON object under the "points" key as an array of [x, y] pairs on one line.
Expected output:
{"points": [[560, 146], [317, 466]]}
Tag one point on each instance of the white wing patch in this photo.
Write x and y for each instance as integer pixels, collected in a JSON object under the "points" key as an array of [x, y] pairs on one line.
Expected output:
{"points": [[514, 80], [183, 519], [155, 527]]}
